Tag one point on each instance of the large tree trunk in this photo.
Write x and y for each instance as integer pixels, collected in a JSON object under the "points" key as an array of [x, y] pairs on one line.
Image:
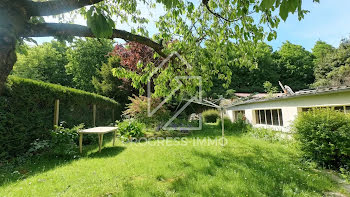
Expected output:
{"points": [[13, 18], [7, 58]]}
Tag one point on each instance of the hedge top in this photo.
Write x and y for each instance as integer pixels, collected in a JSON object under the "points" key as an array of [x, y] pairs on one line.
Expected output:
{"points": [[58, 91]]}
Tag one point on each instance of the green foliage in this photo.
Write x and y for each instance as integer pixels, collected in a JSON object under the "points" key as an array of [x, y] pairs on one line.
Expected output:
{"points": [[333, 68], [99, 22], [45, 62], [27, 108], [63, 141], [269, 88], [210, 116], [130, 128], [324, 136], [217, 44], [295, 66], [38, 147], [267, 134], [228, 125], [320, 50], [138, 110], [245, 166], [108, 85], [250, 79], [85, 59]]}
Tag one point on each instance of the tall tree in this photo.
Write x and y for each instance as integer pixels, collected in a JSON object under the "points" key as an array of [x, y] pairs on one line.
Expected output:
{"points": [[320, 50], [19, 19], [45, 62], [296, 66], [108, 85], [85, 59], [333, 69], [251, 79]]}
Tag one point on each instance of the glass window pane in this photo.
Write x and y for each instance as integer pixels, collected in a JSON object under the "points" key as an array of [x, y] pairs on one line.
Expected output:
{"points": [[347, 109], [306, 109], [268, 117], [257, 117], [262, 115], [275, 117], [281, 117], [339, 108]]}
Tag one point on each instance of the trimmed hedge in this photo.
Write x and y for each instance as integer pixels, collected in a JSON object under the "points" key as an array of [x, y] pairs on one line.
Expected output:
{"points": [[210, 116], [27, 108], [325, 137]]}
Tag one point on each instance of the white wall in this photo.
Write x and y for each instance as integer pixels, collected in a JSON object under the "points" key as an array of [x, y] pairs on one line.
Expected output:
{"points": [[290, 107]]}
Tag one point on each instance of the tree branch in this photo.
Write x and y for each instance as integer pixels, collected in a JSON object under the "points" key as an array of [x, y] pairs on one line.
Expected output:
{"points": [[62, 29], [48, 8], [205, 2]]}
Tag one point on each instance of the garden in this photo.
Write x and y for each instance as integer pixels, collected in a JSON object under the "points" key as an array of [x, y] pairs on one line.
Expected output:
{"points": [[150, 161], [160, 74]]}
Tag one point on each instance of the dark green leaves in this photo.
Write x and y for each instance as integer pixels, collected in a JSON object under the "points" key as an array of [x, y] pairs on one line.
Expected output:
{"points": [[289, 6], [100, 24], [272, 35], [267, 4]]}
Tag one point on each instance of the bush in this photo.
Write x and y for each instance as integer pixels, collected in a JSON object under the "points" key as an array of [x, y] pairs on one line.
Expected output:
{"points": [[27, 107], [210, 116], [64, 141], [129, 129], [239, 126], [138, 107], [325, 137], [266, 134]]}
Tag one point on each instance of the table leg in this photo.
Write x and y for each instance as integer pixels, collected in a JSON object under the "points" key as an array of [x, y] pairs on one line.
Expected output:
{"points": [[113, 137], [81, 143], [100, 142]]}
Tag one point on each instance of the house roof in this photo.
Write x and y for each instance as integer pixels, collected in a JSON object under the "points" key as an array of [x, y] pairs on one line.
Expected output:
{"points": [[307, 92], [254, 95]]}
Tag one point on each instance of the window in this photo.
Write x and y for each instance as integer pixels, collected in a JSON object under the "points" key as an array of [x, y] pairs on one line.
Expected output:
{"points": [[269, 117], [280, 117], [339, 108], [275, 120], [306, 109], [345, 109], [262, 116], [239, 114]]}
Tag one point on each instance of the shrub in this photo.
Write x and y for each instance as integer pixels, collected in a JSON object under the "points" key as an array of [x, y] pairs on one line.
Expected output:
{"points": [[138, 107], [129, 129], [266, 134], [63, 141], [239, 126], [325, 137], [210, 116], [27, 107]]}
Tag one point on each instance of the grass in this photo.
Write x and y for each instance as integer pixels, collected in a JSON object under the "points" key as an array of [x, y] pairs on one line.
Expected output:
{"points": [[246, 166]]}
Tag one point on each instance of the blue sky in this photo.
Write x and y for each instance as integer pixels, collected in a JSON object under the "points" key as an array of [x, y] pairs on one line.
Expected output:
{"points": [[328, 21]]}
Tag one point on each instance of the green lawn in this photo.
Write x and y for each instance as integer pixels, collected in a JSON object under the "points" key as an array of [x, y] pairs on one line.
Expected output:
{"points": [[244, 167]]}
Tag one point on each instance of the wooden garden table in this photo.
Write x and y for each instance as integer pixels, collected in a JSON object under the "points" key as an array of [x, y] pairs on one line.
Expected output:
{"points": [[96, 130]]}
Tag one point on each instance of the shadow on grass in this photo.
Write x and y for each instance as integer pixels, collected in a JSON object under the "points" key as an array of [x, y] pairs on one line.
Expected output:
{"points": [[259, 172], [107, 152], [40, 164]]}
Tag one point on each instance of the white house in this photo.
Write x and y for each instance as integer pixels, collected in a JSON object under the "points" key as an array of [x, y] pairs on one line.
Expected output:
{"points": [[280, 111]]}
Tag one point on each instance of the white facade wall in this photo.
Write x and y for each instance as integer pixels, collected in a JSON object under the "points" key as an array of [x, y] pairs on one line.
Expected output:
{"points": [[290, 107]]}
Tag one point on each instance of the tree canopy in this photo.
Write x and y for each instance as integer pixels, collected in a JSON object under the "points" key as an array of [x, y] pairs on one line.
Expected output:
{"points": [[85, 59], [186, 25], [333, 67], [45, 62]]}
